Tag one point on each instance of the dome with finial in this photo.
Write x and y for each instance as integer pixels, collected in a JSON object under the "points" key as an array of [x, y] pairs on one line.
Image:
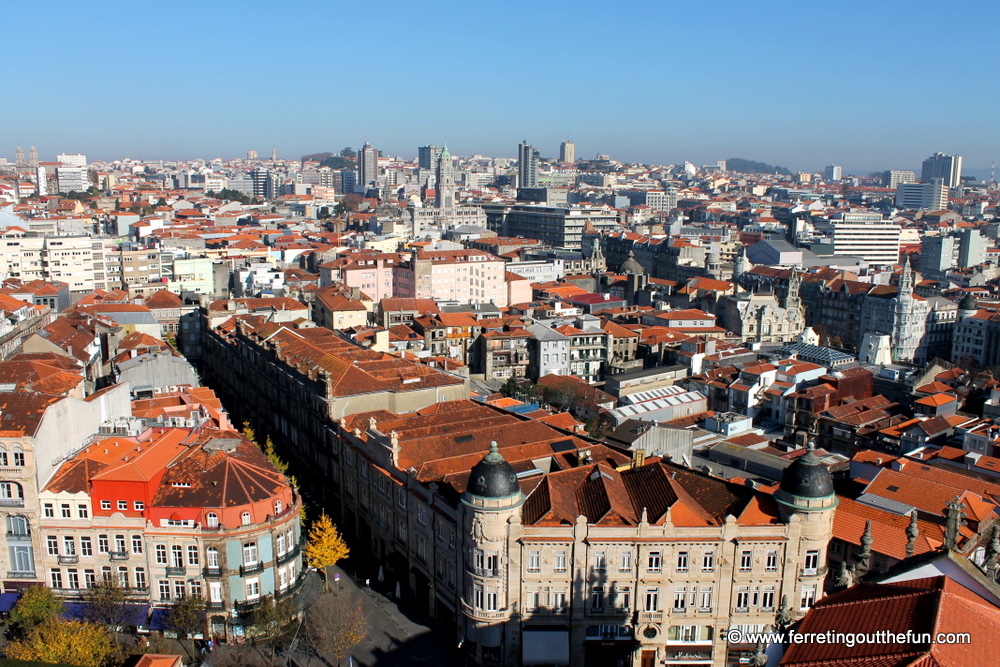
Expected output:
{"points": [[445, 153], [493, 477], [630, 265], [805, 481], [968, 302]]}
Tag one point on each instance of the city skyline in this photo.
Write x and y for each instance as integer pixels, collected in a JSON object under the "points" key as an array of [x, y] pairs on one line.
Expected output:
{"points": [[802, 87]]}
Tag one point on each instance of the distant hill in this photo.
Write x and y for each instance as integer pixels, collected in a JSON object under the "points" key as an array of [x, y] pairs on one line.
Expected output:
{"points": [[745, 166], [316, 157]]}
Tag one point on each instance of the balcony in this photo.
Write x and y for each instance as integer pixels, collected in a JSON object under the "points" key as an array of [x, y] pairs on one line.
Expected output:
{"points": [[250, 568], [212, 572], [11, 502], [482, 614], [291, 554], [68, 560], [215, 605], [650, 616], [118, 555], [176, 571], [18, 537], [15, 574]]}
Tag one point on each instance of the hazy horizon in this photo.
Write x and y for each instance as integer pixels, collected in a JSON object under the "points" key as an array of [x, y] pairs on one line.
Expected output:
{"points": [[798, 85]]}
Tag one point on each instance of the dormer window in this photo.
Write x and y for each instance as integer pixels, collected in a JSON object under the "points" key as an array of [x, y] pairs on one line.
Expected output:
{"points": [[212, 520], [181, 485], [277, 507], [245, 518]]}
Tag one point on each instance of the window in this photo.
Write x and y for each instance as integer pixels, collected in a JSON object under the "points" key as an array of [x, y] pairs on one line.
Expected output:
{"points": [[491, 600], [253, 589], [137, 544], [69, 546], [140, 578], [280, 543], [65, 511], [89, 578], [179, 590], [600, 561], [49, 510], [18, 525], [836, 547], [625, 562], [623, 598], [122, 505], [680, 598], [534, 561], [767, 599], [164, 590], [11, 490], [743, 598], [705, 603], [105, 504], [195, 587], [682, 561], [212, 520], [212, 557], [120, 544], [177, 555], [245, 518], [138, 505], [215, 591], [3, 457], [193, 555], [55, 577], [161, 554], [18, 458], [652, 599], [531, 603], [808, 597], [746, 561], [559, 601], [106, 574], [53, 545], [123, 577], [82, 512], [479, 597], [597, 598], [771, 565], [811, 562], [708, 561], [560, 562], [86, 546], [653, 561], [421, 515], [73, 579], [250, 553]]}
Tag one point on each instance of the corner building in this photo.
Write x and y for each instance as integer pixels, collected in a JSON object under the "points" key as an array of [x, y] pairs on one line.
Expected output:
{"points": [[550, 550]]}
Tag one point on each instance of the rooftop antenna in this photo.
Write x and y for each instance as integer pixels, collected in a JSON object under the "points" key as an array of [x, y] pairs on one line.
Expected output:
{"points": [[993, 175]]}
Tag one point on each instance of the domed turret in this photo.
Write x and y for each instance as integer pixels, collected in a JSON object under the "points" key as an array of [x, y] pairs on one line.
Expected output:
{"points": [[968, 306], [493, 477], [630, 265], [806, 484]]}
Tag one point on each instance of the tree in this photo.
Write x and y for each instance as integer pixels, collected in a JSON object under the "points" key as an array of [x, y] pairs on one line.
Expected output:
{"points": [[334, 625], [71, 642], [273, 457], [186, 618], [348, 152], [325, 546], [36, 605], [108, 605], [510, 387], [272, 624]]}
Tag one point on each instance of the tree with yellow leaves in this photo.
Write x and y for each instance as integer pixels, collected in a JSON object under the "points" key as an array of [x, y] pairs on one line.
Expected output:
{"points": [[325, 546], [69, 642]]}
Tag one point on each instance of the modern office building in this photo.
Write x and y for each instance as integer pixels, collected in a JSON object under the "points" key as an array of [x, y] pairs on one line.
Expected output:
{"points": [[863, 234], [368, 165], [567, 152], [527, 166], [893, 177], [72, 159], [428, 156], [946, 167], [922, 196], [832, 173]]}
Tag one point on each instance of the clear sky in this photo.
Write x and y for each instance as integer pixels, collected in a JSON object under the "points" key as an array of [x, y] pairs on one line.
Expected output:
{"points": [[871, 84]]}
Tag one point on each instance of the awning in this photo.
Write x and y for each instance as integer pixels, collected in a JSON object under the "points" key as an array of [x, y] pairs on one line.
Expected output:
{"points": [[7, 601], [134, 614], [545, 645]]}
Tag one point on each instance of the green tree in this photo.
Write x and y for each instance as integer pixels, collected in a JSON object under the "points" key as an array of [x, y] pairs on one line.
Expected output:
{"points": [[36, 605], [325, 547], [348, 152], [108, 604], [186, 618], [73, 642], [510, 387]]}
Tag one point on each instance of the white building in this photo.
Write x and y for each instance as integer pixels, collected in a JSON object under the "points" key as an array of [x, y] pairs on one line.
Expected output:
{"points": [[922, 196], [863, 234], [948, 168], [832, 173], [73, 159]]}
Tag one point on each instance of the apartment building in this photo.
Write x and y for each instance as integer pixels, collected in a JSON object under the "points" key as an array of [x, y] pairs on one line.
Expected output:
{"points": [[865, 235], [462, 276]]}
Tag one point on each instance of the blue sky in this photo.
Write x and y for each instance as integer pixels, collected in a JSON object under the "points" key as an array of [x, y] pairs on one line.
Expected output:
{"points": [[868, 85]]}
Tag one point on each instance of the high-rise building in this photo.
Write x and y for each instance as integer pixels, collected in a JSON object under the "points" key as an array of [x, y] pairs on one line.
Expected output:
{"points": [[445, 182], [368, 164], [527, 166], [428, 156], [832, 173], [894, 177], [72, 179], [567, 152], [946, 167], [865, 235], [922, 196], [251, 155], [72, 159]]}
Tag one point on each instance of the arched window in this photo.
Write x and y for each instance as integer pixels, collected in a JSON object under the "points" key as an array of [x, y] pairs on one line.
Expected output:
{"points": [[11, 491], [213, 520], [3, 457], [246, 518], [250, 553], [17, 525], [18, 457], [277, 507]]}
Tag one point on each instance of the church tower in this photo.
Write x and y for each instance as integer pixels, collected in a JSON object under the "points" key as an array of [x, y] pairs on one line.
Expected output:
{"points": [[445, 183], [792, 300], [491, 504], [19, 156], [33, 157]]}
